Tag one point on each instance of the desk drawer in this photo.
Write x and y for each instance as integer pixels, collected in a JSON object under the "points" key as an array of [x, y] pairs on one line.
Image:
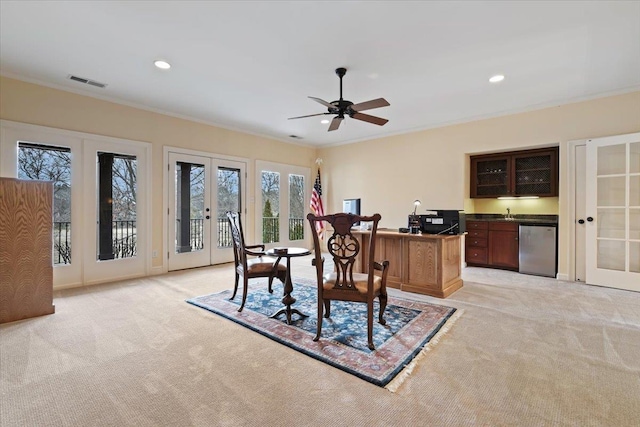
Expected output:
{"points": [[476, 242], [476, 255], [477, 233], [477, 225]]}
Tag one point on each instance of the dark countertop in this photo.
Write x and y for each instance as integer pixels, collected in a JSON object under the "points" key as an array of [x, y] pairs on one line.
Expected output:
{"points": [[520, 219]]}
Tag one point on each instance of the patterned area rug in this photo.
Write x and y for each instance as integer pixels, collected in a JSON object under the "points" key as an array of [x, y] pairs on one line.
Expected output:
{"points": [[412, 328]]}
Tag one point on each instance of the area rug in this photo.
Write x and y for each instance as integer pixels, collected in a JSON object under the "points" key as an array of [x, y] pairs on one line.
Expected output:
{"points": [[412, 329]]}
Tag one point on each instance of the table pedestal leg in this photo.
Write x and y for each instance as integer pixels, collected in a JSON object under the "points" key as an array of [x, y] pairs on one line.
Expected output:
{"points": [[288, 300]]}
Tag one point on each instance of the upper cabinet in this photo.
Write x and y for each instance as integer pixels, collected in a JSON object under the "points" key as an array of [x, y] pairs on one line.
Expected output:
{"points": [[517, 173]]}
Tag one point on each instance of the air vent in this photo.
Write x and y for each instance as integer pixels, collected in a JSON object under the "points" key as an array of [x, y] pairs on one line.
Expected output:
{"points": [[87, 81]]}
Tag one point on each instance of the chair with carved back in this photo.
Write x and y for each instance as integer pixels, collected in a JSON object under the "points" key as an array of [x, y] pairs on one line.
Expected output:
{"points": [[251, 261], [345, 283]]}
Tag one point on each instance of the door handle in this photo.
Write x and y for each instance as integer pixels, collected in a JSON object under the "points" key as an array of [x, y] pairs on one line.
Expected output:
{"points": [[589, 218], [581, 221]]}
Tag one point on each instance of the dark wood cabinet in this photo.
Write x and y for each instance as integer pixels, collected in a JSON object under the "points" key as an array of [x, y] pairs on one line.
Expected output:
{"points": [[503, 244], [476, 243], [517, 173], [492, 244]]}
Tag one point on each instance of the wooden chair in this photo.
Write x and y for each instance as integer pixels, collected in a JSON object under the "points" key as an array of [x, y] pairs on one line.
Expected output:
{"points": [[343, 283], [251, 263]]}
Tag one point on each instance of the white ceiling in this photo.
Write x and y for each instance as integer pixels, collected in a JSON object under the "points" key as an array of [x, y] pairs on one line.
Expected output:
{"points": [[249, 65]]}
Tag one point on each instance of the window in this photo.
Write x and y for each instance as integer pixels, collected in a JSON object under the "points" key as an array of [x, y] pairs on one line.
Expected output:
{"points": [[117, 185], [270, 207], [296, 207], [51, 163]]}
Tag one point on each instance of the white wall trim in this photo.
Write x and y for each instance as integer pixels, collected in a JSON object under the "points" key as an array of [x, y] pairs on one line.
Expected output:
{"points": [[571, 201]]}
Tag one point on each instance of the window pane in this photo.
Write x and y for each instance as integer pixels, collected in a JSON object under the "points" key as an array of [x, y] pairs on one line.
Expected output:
{"points": [[189, 208], [117, 186], [611, 223], [49, 163], [612, 159], [634, 157], [611, 254], [228, 200], [611, 191], [296, 207], [270, 207], [634, 257]]}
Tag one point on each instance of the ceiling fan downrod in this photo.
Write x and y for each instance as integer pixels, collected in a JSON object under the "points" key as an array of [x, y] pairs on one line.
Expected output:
{"points": [[341, 72]]}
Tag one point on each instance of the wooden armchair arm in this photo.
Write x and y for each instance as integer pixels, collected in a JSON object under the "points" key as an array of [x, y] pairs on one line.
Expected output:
{"points": [[381, 266], [255, 253]]}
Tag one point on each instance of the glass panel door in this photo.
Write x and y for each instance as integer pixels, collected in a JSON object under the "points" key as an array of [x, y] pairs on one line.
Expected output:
{"points": [[189, 211], [613, 209], [229, 195], [51, 156], [201, 190]]}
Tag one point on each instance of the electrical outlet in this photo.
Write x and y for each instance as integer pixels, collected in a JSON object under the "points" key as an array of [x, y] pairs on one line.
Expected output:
{"points": [[155, 254]]}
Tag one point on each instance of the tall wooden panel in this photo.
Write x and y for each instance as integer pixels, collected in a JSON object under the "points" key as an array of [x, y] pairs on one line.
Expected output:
{"points": [[26, 269]]}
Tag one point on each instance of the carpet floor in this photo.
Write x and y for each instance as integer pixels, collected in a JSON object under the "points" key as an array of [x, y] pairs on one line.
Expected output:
{"points": [[411, 329], [528, 351]]}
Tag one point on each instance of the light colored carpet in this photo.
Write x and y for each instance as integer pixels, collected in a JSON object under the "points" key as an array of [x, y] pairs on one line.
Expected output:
{"points": [[528, 351]]}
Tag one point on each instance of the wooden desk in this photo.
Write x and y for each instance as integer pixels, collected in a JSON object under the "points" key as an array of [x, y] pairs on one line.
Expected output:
{"points": [[423, 263]]}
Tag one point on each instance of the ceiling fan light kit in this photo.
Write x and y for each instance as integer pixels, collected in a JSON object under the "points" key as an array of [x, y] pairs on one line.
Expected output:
{"points": [[343, 107]]}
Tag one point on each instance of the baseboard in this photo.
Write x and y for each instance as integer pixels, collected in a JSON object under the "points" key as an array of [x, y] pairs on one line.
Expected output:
{"points": [[564, 277], [157, 270]]}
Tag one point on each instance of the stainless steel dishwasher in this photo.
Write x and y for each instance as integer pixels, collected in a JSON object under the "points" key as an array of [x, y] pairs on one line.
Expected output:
{"points": [[537, 253]]}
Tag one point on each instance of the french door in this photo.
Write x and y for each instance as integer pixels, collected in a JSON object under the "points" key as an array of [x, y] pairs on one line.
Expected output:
{"points": [[613, 211], [201, 190]]}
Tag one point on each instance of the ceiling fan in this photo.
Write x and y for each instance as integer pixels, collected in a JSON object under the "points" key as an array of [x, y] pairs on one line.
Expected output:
{"points": [[343, 107]]}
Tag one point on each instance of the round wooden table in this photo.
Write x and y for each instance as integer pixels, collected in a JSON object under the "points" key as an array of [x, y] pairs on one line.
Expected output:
{"points": [[288, 300]]}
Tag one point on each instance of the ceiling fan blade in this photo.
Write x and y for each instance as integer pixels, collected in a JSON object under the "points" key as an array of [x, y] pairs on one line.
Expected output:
{"points": [[370, 105], [323, 102], [371, 119], [310, 115], [335, 123]]}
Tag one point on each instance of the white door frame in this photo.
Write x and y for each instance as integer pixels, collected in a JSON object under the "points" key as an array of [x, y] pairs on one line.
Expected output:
{"points": [[284, 170], [83, 210], [166, 200], [571, 181]]}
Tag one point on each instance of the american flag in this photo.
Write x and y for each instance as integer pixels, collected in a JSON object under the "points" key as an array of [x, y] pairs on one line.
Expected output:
{"points": [[316, 204]]}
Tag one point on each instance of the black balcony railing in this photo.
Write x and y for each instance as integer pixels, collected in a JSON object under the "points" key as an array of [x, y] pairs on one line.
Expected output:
{"points": [[271, 229], [124, 240], [124, 236], [296, 228]]}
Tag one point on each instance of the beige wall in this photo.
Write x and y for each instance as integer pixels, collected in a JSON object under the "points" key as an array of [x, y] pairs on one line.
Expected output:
{"points": [[34, 104], [387, 173]]}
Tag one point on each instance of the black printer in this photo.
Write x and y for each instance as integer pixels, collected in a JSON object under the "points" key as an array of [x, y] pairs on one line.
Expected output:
{"points": [[442, 222]]}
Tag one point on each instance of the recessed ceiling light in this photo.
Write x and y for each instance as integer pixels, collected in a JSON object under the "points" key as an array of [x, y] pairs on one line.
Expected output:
{"points": [[496, 78], [163, 65], [324, 122]]}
